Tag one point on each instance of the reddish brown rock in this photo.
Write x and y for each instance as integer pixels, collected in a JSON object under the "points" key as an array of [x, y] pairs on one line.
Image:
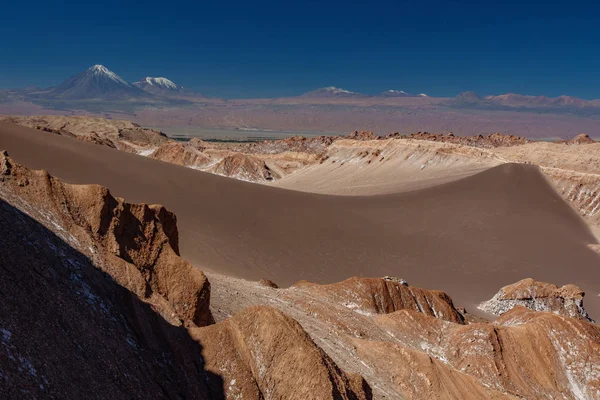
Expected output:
{"points": [[262, 353], [386, 295], [136, 244], [245, 167], [538, 296], [527, 354]]}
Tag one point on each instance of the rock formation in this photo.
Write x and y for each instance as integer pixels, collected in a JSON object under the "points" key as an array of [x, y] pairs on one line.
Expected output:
{"points": [[538, 296], [483, 141], [246, 168], [69, 331], [579, 139], [406, 351], [119, 134], [370, 296], [136, 244], [262, 353]]}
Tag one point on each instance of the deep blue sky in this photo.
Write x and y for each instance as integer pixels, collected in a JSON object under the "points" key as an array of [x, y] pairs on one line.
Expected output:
{"points": [[263, 48]]}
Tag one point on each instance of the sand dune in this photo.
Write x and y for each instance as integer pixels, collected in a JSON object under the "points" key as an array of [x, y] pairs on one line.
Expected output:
{"points": [[353, 167], [468, 237]]}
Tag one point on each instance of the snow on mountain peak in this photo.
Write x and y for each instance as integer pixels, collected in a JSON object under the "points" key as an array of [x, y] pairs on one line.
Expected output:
{"points": [[161, 82], [101, 70], [396, 92], [336, 90], [423, 95]]}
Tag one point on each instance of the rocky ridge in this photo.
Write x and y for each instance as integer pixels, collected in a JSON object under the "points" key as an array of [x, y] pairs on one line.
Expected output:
{"points": [[119, 134], [382, 329]]}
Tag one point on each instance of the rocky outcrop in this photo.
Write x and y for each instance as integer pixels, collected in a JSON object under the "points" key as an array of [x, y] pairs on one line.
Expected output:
{"points": [[369, 296], [538, 296], [136, 244], [362, 135], [417, 375], [182, 154], [527, 354], [268, 283], [69, 331], [579, 139], [482, 141], [119, 134], [262, 353], [245, 167], [294, 144], [415, 354]]}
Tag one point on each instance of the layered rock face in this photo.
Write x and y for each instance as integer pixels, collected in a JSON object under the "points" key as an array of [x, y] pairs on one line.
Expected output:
{"points": [[538, 296], [136, 244], [69, 331]]}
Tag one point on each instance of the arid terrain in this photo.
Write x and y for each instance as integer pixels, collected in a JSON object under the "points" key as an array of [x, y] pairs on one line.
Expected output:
{"points": [[359, 266]]}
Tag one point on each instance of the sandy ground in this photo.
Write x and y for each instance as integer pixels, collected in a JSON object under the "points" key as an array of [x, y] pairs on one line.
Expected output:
{"points": [[468, 237]]}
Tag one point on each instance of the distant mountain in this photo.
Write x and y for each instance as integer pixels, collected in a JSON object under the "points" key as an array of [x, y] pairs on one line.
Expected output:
{"points": [[395, 93], [160, 85], [96, 82], [400, 93], [332, 91], [166, 88], [519, 100], [468, 98]]}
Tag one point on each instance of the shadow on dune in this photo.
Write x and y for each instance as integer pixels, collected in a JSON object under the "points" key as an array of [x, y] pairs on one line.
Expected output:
{"points": [[69, 331]]}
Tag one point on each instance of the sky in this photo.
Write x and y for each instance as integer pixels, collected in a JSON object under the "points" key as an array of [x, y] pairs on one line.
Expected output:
{"points": [[240, 49]]}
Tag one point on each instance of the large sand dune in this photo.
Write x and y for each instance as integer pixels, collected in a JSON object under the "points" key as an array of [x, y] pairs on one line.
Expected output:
{"points": [[469, 236]]}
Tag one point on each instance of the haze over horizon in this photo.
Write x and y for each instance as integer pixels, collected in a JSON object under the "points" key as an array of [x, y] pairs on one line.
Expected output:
{"points": [[240, 50]]}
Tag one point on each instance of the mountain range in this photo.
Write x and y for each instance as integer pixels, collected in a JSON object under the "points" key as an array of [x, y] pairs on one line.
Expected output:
{"points": [[100, 83], [162, 103]]}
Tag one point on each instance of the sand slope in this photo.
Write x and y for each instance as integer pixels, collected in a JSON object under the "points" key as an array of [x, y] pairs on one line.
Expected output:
{"points": [[468, 237]]}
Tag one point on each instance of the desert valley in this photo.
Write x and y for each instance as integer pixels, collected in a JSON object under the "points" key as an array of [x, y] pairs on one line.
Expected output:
{"points": [[354, 266], [332, 200]]}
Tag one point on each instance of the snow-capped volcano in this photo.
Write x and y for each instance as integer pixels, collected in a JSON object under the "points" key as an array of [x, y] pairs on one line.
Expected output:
{"points": [[157, 83], [395, 93], [101, 71], [331, 91], [96, 82]]}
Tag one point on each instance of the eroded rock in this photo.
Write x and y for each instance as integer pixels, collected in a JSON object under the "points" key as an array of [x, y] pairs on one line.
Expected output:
{"points": [[136, 244], [262, 353], [538, 296]]}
